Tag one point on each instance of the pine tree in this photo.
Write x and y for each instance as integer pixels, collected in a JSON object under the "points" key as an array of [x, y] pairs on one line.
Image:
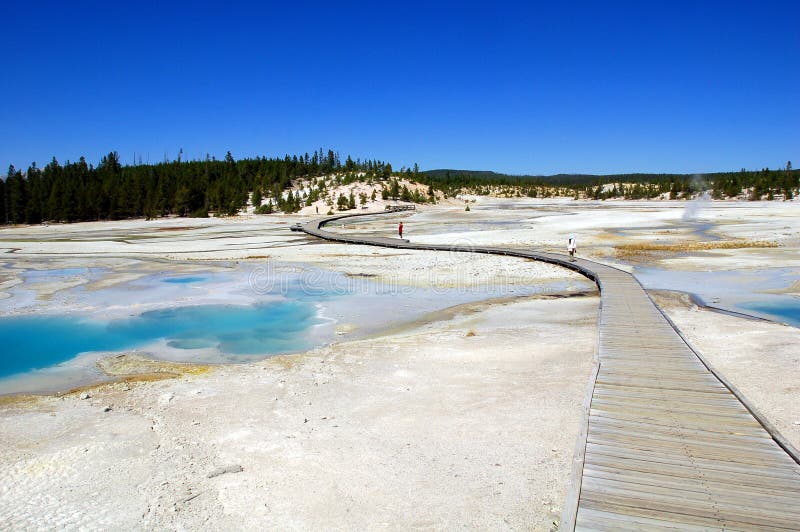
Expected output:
{"points": [[36, 198], [17, 195], [3, 200]]}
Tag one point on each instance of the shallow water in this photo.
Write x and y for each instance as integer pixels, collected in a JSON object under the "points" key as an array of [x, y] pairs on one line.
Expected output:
{"points": [[184, 280], [192, 313], [45, 276], [34, 342], [741, 291], [785, 310]]}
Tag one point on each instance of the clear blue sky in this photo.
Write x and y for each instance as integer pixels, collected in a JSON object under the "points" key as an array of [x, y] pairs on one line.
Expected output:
{"points": [[595, 87]]}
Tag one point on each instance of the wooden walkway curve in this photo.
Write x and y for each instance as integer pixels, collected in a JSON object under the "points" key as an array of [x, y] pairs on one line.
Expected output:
{"points": [[667, 444]]}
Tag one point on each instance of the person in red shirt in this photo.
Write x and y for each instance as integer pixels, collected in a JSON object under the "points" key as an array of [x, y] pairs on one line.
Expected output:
{"points": [[400, 229]]}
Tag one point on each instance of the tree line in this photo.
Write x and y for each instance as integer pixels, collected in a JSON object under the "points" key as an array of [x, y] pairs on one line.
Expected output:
{"points": [[79, 191], [745, 184]]}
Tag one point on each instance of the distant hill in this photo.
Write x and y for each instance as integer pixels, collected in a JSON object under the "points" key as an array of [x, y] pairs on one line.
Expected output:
{"points": [[555, 179], [752, 184], [442, 172]]}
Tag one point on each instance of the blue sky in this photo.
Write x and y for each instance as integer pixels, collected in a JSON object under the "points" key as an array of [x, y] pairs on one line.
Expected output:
{"points": [[541, 88]]}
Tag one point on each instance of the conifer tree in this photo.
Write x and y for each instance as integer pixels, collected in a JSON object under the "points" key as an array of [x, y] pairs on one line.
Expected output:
{"points": [[17, 195]]}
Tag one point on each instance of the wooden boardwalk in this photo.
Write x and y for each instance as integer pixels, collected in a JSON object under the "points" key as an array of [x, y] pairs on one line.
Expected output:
{"points": [[667, 443]]}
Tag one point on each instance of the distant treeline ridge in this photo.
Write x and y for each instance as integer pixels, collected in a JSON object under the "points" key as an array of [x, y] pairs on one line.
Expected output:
{"points": [[78, 191], [758, 184]]}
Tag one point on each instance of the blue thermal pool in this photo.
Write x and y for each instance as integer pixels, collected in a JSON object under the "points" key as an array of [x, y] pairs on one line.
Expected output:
{"points": [[32, 342], [184, 280], [784, 310]]}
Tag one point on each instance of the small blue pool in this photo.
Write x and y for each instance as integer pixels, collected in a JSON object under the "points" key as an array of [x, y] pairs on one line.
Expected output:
{"points": [[787, 311], [184, 280]]}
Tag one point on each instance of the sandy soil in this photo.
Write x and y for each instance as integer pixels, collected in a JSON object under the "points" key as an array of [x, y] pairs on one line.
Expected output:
{"points": [[467, 421]]}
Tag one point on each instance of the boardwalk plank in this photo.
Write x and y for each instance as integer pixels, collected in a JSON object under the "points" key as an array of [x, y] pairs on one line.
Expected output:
{"points": [[622, 512], [698, 483], [709, 507], [621, 456], [591, 519]]}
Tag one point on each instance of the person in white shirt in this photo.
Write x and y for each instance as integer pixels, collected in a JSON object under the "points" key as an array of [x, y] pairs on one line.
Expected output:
{"points": [[572, 248]]}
